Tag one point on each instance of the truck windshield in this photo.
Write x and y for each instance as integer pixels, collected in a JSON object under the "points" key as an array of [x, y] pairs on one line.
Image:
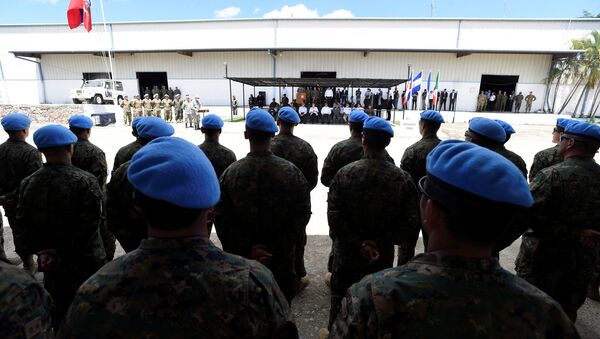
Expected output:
{"points": [[93, 83]]}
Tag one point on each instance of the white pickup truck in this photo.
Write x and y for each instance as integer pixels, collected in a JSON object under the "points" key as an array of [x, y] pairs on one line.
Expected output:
{"points": [[98, 92]]}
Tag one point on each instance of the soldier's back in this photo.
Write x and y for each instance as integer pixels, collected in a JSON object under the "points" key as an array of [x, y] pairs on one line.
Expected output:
{"points": [[426, 298], [514, 158], [18, 159], [300, 153], [180, 288], [91, 159], [543, 159], [122, 218], [125, 154], [415, 157], [60, 206], [220, 156], [24, 305]]}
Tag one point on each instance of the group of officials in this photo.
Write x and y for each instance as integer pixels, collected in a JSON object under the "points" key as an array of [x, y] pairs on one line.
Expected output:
{"points": [[469, 198], [175, 110], [501, 102]]}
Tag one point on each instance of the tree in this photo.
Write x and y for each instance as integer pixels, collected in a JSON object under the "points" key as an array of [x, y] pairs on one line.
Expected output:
{"points": [[587, 14], [589, 69]]}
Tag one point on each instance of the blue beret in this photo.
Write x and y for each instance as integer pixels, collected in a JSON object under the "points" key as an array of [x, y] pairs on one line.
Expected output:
{"points": [[431, 115], [357, 116], [508, 129], [80, 121], [260, 120], [378, 124], [135, 121], [154, 127], [288, 114], [53, 136], [487, 128], [583, 129], [562, 122], [184, 177], [479, 171], [15, 122], [212, 121]]}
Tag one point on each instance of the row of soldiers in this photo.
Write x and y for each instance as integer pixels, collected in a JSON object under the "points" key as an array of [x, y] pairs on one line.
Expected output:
{"points": [[160, 207], [170, 110], [489, 101]]}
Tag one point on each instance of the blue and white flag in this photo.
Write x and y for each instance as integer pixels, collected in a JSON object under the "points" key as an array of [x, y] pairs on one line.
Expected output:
{"points": [[416, 86], [429, 82]]}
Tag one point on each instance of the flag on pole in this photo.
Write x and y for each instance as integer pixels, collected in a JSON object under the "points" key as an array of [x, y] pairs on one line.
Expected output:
{"points": [[80, 12], [429, 82], [408, 91], [416, 86], [435, 89]]}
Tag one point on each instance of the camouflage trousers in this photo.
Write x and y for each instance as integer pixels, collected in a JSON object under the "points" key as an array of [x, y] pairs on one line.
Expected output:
{"points": [[168, 113], [2, 253], [178, 115], [562, 273], [127, 117]]}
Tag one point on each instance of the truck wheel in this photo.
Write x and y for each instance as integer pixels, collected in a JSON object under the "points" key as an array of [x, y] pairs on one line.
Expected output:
{"points": [[98, 99], [75, 101], [119, 100]]}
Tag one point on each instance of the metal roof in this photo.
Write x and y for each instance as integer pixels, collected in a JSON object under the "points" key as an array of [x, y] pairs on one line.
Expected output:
{"points": [[321, 82]]}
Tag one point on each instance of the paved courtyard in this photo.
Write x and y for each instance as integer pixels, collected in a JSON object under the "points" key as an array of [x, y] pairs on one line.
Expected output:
{"points": [[311, 307]]}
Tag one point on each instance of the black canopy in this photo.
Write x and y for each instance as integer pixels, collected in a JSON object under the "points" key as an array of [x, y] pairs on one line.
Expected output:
{"points": [[322, 82]]}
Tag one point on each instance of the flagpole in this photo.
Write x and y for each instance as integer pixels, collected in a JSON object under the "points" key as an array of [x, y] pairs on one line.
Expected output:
{"points": [[110, 47]]}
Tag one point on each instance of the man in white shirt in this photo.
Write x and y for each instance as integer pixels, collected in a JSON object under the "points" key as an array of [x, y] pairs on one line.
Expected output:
{"points": [[326, 114], [492, 102], [346, 111], [302, 110], [329, 96]]}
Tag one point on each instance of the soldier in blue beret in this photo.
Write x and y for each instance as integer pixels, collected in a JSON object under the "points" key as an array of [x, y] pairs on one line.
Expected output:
{"points": [[415, 156], [58, 218], [490, 134], [91, 158], [371, 206], [265, 205], [567, 196], [220, 156], [548, 157], [510, 155], [343, 153], [18, 160], [299, 152], [178, 283], [125, 153], [122, 218], [467, 198]]}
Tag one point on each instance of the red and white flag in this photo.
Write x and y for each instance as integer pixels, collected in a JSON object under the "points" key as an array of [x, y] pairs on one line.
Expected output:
{"points": [[80, 12]]}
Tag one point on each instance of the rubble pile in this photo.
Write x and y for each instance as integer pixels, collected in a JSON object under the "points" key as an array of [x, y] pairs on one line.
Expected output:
{"points": [[44, 113]]}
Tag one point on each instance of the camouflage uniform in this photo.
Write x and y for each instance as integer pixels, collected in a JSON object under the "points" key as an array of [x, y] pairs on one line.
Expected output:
{"points": [[552, 258], [301, 154], [167, 104], [147, 105], [156, 107], [264, 200], [24, 306], [125, 154], [59, 208], [180, 288], [370, 199], [451, 297], [529, 99], [514, 158], [177, 102], [137, 107], [543, 159], [126, 105], [122, 219], [481, 102], [415, 156], [18, 159], [220, 156], [91, 158], [518, 101], [340, 155]]}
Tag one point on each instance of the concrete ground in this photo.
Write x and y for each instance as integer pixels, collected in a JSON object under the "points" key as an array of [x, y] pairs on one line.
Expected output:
{"points": [[311, 307]]}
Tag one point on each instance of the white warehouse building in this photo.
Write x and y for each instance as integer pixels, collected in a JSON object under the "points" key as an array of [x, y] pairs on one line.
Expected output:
{"points": [[42, 63]]}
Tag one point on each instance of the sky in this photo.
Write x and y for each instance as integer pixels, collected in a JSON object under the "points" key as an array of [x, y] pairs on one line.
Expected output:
{"points": [[54, 11]]}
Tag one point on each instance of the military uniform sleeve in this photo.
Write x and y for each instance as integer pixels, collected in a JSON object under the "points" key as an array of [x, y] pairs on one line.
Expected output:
{"points": [[312, 171], [537, 166], [100, 170], [29, 314], [337, 212], [357, 317], [544, 194], [407, 163], [268, 307], [32, 161], [407, 232], [303, 208], [329, 168], [23, 235]]}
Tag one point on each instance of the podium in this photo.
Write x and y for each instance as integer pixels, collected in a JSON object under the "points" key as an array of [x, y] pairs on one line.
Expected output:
{"points": [[104, 115]]}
